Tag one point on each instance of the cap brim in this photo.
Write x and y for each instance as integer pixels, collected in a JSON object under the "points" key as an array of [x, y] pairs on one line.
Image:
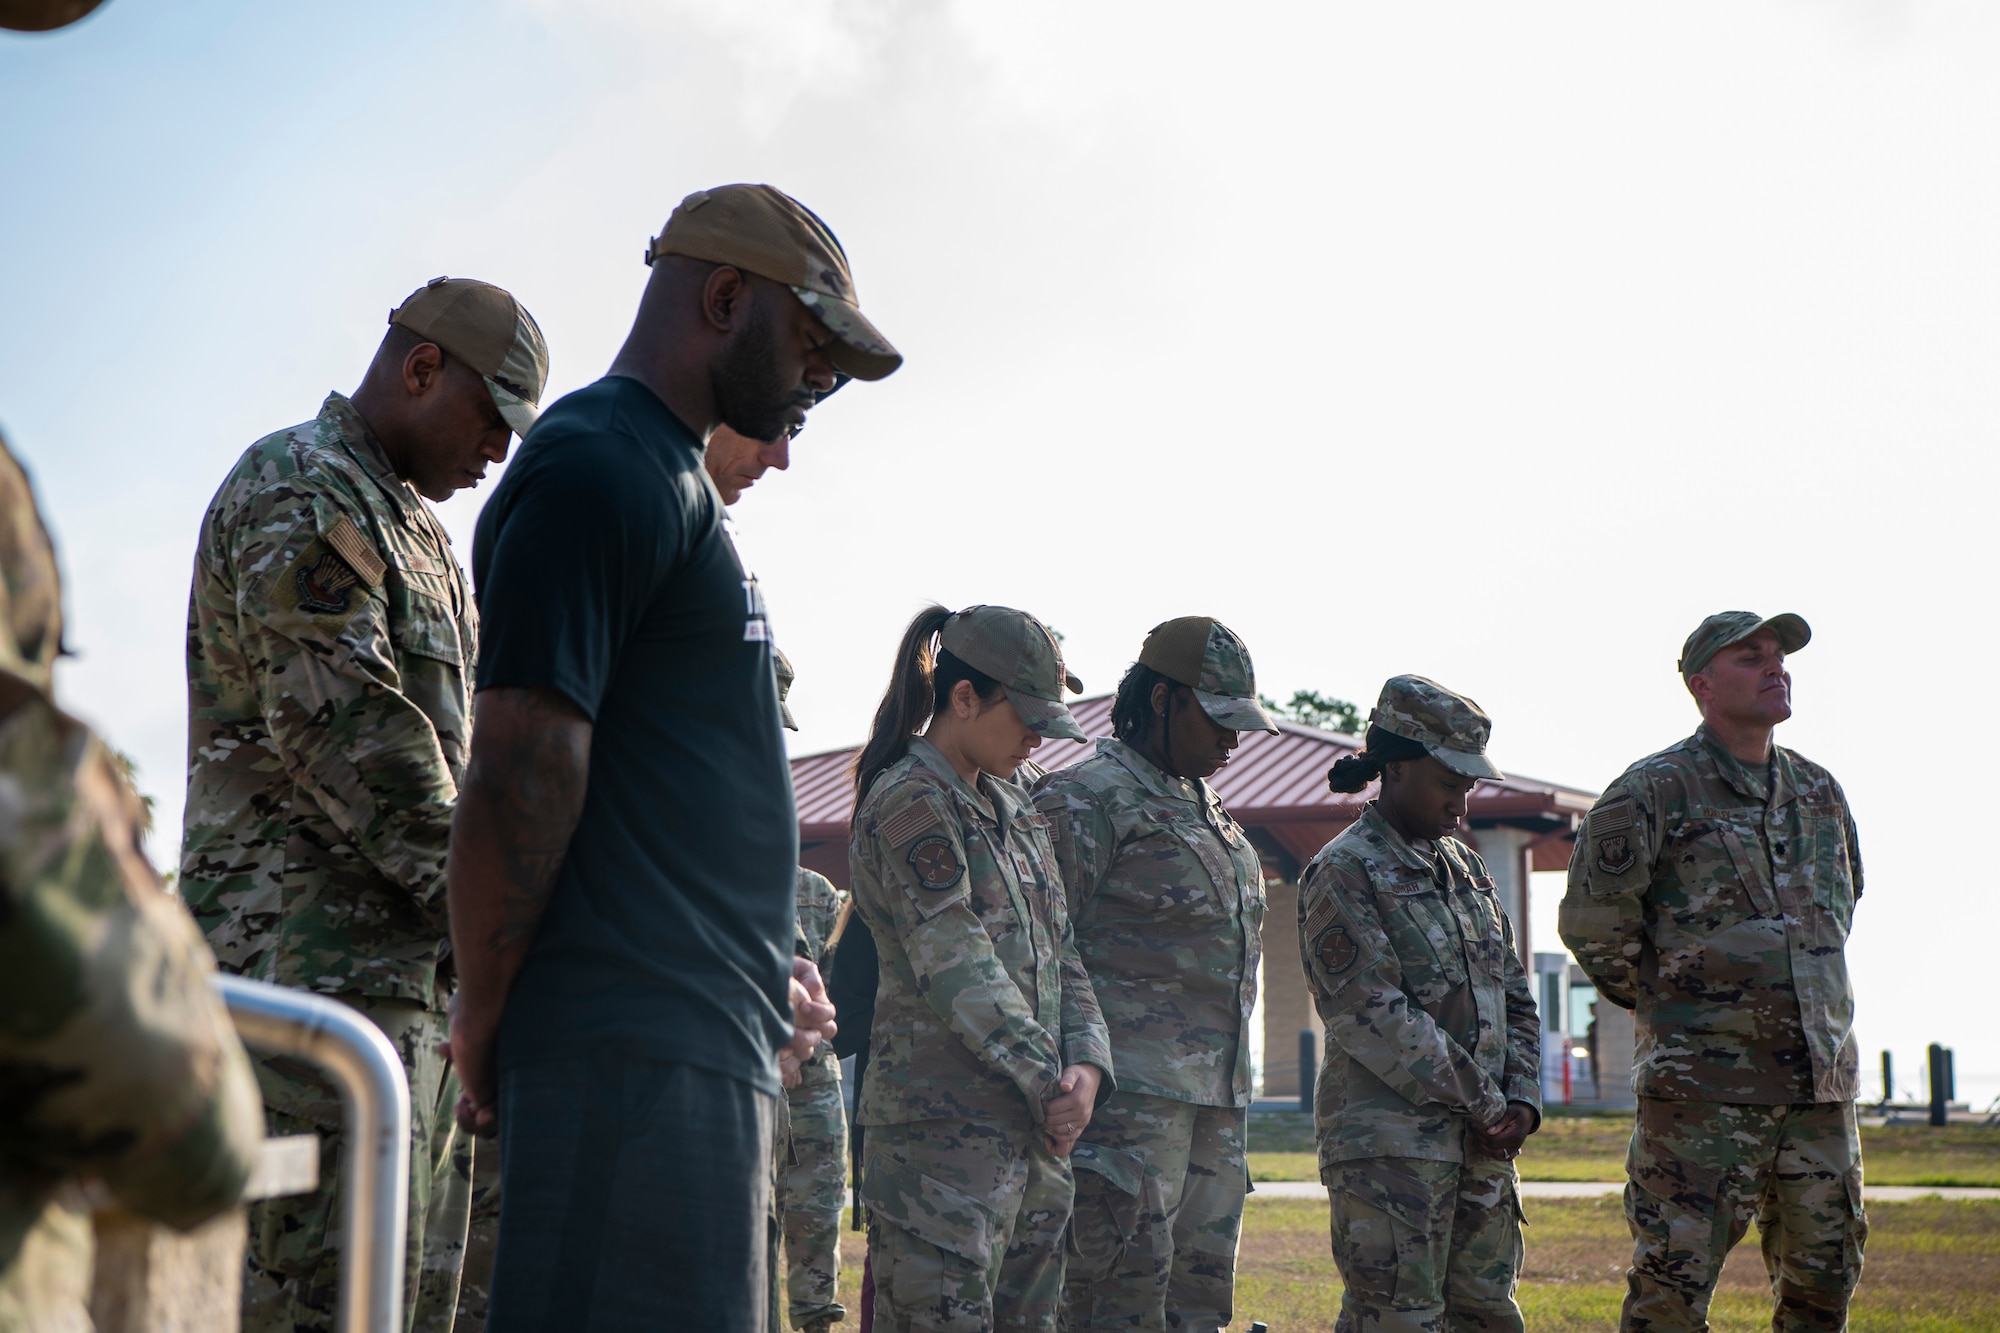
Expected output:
{"points": [[1792, 631], [1465, 762], [1045, 717], [516, 411], [785, 716], [860, 349], [1227, 710]]}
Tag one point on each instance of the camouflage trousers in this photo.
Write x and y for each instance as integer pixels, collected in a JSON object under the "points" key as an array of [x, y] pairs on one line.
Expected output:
{"points": [[482, 1238], [1159, 1202], [813, 1188], [292, 1264], [1701, 1172], [1425, 1246], [965, 1226]]}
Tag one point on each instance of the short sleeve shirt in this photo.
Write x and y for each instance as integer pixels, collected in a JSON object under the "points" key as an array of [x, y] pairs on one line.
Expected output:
{"points": [[604, 573]]}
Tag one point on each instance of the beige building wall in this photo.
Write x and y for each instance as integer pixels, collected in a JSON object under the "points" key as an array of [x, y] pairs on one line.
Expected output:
{"points": [[1286, 1003]]}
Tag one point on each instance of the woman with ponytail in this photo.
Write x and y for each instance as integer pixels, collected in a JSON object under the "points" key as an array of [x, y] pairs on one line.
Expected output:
{"points": [[1431, 1079], [987, 1054]]}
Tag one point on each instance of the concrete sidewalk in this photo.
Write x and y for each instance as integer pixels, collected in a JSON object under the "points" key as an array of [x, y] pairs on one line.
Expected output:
{"points": [[1591, 1189]]}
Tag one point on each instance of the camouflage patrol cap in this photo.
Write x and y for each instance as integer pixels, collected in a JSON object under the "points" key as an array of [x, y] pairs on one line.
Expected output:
{"points": [[1450, 726], [1022, 654], [1205, 655], [765, 231], [781, 667], [1727, 627], [30, 588], [485, 327]]}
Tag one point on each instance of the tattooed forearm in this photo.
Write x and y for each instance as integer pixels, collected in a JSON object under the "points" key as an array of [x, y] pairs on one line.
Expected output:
{"points": [[522, 797]]}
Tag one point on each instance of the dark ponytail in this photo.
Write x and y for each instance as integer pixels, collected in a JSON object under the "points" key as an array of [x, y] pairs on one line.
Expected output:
{"points": [[919, 686], [1381, 748]]}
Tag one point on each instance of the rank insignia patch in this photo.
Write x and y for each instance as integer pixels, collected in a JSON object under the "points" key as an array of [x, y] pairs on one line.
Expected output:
{"points": [[1335, 950], [1614, 855], [324, 585], [936, 862]]}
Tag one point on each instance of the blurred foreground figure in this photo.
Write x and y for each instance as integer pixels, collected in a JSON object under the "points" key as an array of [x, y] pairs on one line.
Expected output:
{"points": [[1431, 1080], [43, 15], [118, 1061], [624, 855], [330, 649], [1711, 892]]}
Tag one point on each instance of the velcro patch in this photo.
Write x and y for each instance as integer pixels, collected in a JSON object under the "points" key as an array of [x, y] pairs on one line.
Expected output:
{"points": [[1611, 818], [936, 863], [1336, 950], [1614, 854], [1318, 915], [347, 541], [914, 818]]}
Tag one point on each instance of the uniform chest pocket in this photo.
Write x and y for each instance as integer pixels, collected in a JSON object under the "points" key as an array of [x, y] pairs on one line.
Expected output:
{"points": [[1423, 937], [1715, 882], [1216, 881], [421, 616], [1823, 858], [1486, 933]]}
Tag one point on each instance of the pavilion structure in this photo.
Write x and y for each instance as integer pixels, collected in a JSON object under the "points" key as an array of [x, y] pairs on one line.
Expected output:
{"points": [[1275, 786]]}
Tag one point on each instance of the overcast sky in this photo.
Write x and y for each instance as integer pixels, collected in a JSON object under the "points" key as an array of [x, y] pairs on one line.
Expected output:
{"points": [[1499, 343]]}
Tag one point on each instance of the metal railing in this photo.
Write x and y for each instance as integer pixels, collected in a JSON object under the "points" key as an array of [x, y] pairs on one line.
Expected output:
{"points": [[375, 1106]]}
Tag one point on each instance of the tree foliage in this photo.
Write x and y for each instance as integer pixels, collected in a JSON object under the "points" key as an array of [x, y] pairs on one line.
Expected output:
{"points": [[1313, 709]]}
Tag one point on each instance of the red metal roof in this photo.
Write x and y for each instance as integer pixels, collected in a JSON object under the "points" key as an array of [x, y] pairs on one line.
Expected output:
{"points": [[1277, 783]]}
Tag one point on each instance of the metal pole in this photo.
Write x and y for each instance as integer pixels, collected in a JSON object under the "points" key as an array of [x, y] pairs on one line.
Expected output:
{"points": [[1950, 1076], [375, 1104], [1306, 1053], [1888, 1080], [1938, 1098]]}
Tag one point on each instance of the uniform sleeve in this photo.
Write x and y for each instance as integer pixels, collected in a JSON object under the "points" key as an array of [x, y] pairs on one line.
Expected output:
{"points": [[1603, 914], [1085, 1039], [1853, 839], [1084, 839], [920, 857], [120, 1060], [1355, 980], [314, 622], [1522, 1079]]}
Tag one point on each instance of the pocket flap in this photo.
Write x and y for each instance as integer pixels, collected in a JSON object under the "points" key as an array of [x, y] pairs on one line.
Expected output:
{"points": [[929, 1209], [1124, 1169]]}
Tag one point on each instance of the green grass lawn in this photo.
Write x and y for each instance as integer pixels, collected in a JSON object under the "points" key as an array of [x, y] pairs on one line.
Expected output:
{"points": [[1592, 1147], [1933, 1266]]}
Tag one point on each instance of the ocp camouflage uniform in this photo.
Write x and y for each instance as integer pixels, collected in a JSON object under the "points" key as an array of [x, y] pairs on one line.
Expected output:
{"points": [[1431, 1030], [1167, 897], [982, 1003], [813, 1186], [117, 1057], [330, 644], [1714, 899]]}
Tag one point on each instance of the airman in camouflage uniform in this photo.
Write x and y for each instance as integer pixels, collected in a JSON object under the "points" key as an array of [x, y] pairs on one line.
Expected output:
{"points": [[982, 1010], [1167, 897], [814, 1185], [1713, 896], [330, 643], [1431, 1038], [118, 1060]]}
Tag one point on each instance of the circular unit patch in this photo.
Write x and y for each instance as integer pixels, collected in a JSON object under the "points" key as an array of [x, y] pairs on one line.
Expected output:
{"points": [[1335, 949], [936, 862]]}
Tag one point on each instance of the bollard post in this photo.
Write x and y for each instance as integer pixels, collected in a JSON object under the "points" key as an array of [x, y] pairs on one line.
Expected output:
{"points": [[1950, 1076], [1888, 1080], [1938, 1076], [1306, 1073]]}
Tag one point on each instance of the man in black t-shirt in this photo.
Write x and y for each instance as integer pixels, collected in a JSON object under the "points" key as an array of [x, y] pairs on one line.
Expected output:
{"points": [[623, 852]]}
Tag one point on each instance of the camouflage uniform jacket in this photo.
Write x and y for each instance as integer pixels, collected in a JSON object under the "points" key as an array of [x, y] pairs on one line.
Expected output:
{"points": [[1167, 897], [982, 1001], [1430, 1024], [1715, 901], [330, 652], [819, 906]]}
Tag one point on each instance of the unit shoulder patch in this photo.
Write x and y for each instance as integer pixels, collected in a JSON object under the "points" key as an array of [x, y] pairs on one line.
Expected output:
{"points": [[1614, 854], [1336, 950], [936, 863]]}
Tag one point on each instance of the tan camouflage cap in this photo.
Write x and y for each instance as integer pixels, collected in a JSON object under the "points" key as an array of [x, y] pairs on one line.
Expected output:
{"points": [[1022, 654], [1723, 628], [43, 15], [30, 590], [1452, 727], [485, 327], [781, 667], [1205, 655], [765, 231]]}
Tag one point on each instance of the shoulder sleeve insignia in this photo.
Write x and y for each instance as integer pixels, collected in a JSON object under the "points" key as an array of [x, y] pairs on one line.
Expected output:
{"points": [[1614, 854], [1336, 950], [936, 863], [352, 547], [1610, 818], [1320, 913], [911, 820], [324, 585]]}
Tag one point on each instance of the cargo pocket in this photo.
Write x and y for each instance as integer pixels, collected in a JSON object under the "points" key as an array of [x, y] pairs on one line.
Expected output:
{"points": [[1384, 1216], [1674, 1206], [1855, 1236], [932, 1211], [1110, 1185], [932, 1249]]}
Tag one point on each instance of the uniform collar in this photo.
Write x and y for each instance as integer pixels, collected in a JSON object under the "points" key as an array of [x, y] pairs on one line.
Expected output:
{"points": [[999, 801], [1745, 780], [1384, 832], [1152, 777], [347, 424]]}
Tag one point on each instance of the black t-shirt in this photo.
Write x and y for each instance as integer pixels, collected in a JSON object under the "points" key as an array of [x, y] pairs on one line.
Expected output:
{"points": [[603, 572]]}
